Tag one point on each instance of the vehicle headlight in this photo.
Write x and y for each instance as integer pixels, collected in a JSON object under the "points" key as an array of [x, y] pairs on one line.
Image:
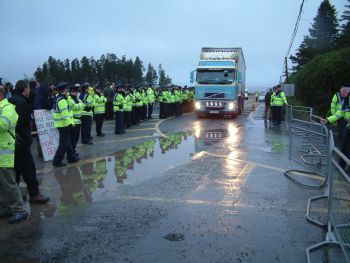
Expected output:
{"points": [[231, 105], [197, 105]]}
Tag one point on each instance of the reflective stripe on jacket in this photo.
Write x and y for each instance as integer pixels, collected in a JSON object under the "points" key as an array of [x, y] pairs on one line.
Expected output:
{"points": [[278, 99], [76, 106], [150, 95], [118, 102], [99, 104], [342, 112], [88, 101], [336, 103]]}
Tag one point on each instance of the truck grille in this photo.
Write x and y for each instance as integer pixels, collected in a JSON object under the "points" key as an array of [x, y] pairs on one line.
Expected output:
{"points": [[215, 104]]}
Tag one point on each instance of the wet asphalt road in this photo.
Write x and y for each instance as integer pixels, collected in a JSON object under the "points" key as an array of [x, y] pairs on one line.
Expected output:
{"points": [[179, 190]]}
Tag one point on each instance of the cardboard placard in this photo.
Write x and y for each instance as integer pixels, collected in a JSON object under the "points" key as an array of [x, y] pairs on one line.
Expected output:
{"points": [[48, 135]]}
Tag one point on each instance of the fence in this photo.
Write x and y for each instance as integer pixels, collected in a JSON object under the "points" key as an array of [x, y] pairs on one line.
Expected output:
{"points": [[312, 149], [309, 147]]}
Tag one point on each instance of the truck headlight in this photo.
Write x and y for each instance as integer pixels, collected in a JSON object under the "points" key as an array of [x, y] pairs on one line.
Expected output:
{"points": [[231, 105], [197, 105]]}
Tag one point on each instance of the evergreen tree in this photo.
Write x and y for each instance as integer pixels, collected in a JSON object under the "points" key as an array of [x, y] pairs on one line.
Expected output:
{"points": [[161, 74], [167, 80], [67, 71], [149, 74], [107, 68], [138, 70], [322, 38], [344, 38]]}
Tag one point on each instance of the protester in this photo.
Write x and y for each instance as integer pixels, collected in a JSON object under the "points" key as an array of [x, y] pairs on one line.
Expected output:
{"points": [[24, 162]]}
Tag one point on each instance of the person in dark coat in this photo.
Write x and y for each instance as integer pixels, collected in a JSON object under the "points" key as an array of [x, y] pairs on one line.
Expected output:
{"points": [[42, 99], [24, 162]]}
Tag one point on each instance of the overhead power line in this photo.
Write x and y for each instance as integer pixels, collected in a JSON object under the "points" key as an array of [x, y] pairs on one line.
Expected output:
{"points": [[296, 27]]}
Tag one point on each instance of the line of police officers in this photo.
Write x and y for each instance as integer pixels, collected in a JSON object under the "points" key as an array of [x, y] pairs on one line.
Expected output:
{"points": [[73, 114]]}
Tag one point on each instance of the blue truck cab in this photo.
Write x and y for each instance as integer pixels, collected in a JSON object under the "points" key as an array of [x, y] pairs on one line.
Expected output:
{"points": [[219, 82]]}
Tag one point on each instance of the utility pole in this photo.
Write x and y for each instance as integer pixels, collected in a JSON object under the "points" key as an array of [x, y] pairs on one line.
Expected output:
{"points": [[286, 65]]}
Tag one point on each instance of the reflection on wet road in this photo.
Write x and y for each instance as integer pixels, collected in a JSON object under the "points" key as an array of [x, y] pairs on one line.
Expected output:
{"points": [[102, 179], [97, 181]]}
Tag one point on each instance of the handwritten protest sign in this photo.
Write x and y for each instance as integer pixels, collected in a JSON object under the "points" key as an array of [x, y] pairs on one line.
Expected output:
{"points": [[48, 135]]}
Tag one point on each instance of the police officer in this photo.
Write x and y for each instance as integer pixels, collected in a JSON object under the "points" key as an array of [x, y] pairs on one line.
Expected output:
{"points": [[150, 100], [343, 112], [63, 121], [76, 106], [128, 108], [99, 109], [144, 103], [86, 114], [118, 104], [138, 105], [161, 99], [12, 204], [278, 99], [133, 104], [337, 103]]}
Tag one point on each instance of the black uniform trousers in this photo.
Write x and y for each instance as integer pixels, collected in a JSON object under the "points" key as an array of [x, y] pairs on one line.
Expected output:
{"points": [[150, 110], [75, 132], [143, 112], [25, 167], [341, 129], [161, 110], [138, 111], [99, 123], [177, 109], [119, 123], [86, 128], [64, 146], [345, 148], [276, 115], [133, 116], [127, 118]]}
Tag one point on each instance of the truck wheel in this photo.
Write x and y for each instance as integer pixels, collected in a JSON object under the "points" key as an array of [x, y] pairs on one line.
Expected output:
{"points": [[234, 115], [200, 116]]}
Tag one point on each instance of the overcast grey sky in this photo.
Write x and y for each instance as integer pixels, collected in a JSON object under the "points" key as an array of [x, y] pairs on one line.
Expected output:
{"points": [[168, 32]]}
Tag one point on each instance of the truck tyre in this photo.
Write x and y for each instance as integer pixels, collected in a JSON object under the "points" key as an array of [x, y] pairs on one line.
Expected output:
{"points": [[200, 116], [234, 115]]}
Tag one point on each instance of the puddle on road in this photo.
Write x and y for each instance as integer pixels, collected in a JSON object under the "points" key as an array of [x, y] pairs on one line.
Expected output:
{"points": [[100, 180]]}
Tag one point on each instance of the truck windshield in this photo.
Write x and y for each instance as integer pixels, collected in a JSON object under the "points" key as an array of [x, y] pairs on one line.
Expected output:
{"points": [[224, 76]]}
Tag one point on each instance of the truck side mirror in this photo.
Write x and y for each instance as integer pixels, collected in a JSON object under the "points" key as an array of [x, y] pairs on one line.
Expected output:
{"points": [[192, 76]]}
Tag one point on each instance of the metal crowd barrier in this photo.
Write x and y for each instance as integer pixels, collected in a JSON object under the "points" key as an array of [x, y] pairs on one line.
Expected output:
{"points": [[309, 147], [338, 214], [312, 149]]}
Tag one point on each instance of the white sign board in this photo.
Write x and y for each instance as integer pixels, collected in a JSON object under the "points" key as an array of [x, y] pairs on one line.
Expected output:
{"points": [[288, 89], [48, 135]]}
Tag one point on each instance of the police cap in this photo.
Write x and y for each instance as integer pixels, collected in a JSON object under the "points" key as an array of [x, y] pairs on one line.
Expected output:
{"points": [[62, 85]]}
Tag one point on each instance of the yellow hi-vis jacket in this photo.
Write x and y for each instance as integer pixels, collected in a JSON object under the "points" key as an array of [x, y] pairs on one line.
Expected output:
{"points": [[278, 99], [62, 115], [8, 121], [99, 104], [336, 103]]}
